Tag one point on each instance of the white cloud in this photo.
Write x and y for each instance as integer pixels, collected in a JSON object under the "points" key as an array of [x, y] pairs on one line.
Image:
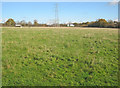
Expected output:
{"points": [[3, 20], [0, 20], [116, 20], [114, 2]]}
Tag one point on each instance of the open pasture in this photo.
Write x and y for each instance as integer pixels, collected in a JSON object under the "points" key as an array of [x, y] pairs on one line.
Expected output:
{"points": [[59, 57]]}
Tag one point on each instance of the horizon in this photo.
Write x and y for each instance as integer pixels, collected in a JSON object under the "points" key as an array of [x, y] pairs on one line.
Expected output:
{"points": [[44, 12]]}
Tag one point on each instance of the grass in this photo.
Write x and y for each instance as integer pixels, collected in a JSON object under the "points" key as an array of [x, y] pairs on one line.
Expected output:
{"points": [[59, 57]]}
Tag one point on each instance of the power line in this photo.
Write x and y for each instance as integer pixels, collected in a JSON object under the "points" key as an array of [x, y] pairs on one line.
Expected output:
{"points": [[56, 16]]}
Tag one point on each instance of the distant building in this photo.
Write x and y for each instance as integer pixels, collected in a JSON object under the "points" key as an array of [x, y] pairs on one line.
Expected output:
{"points": [[70, 25], [18, 25]]}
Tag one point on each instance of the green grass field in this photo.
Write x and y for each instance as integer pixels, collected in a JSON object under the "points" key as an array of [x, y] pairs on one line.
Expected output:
{"points": [[59, 57]]}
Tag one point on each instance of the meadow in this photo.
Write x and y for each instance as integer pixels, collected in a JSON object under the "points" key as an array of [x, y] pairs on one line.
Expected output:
{"points": [[59, 57]]}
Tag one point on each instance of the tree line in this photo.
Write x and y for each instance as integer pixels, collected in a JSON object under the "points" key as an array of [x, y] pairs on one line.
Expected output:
{"points": [[102, 23], [11, 23]]}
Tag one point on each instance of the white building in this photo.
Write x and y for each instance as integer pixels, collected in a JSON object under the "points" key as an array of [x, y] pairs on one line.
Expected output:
{"points": [[70, 25], [18, 25]]}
